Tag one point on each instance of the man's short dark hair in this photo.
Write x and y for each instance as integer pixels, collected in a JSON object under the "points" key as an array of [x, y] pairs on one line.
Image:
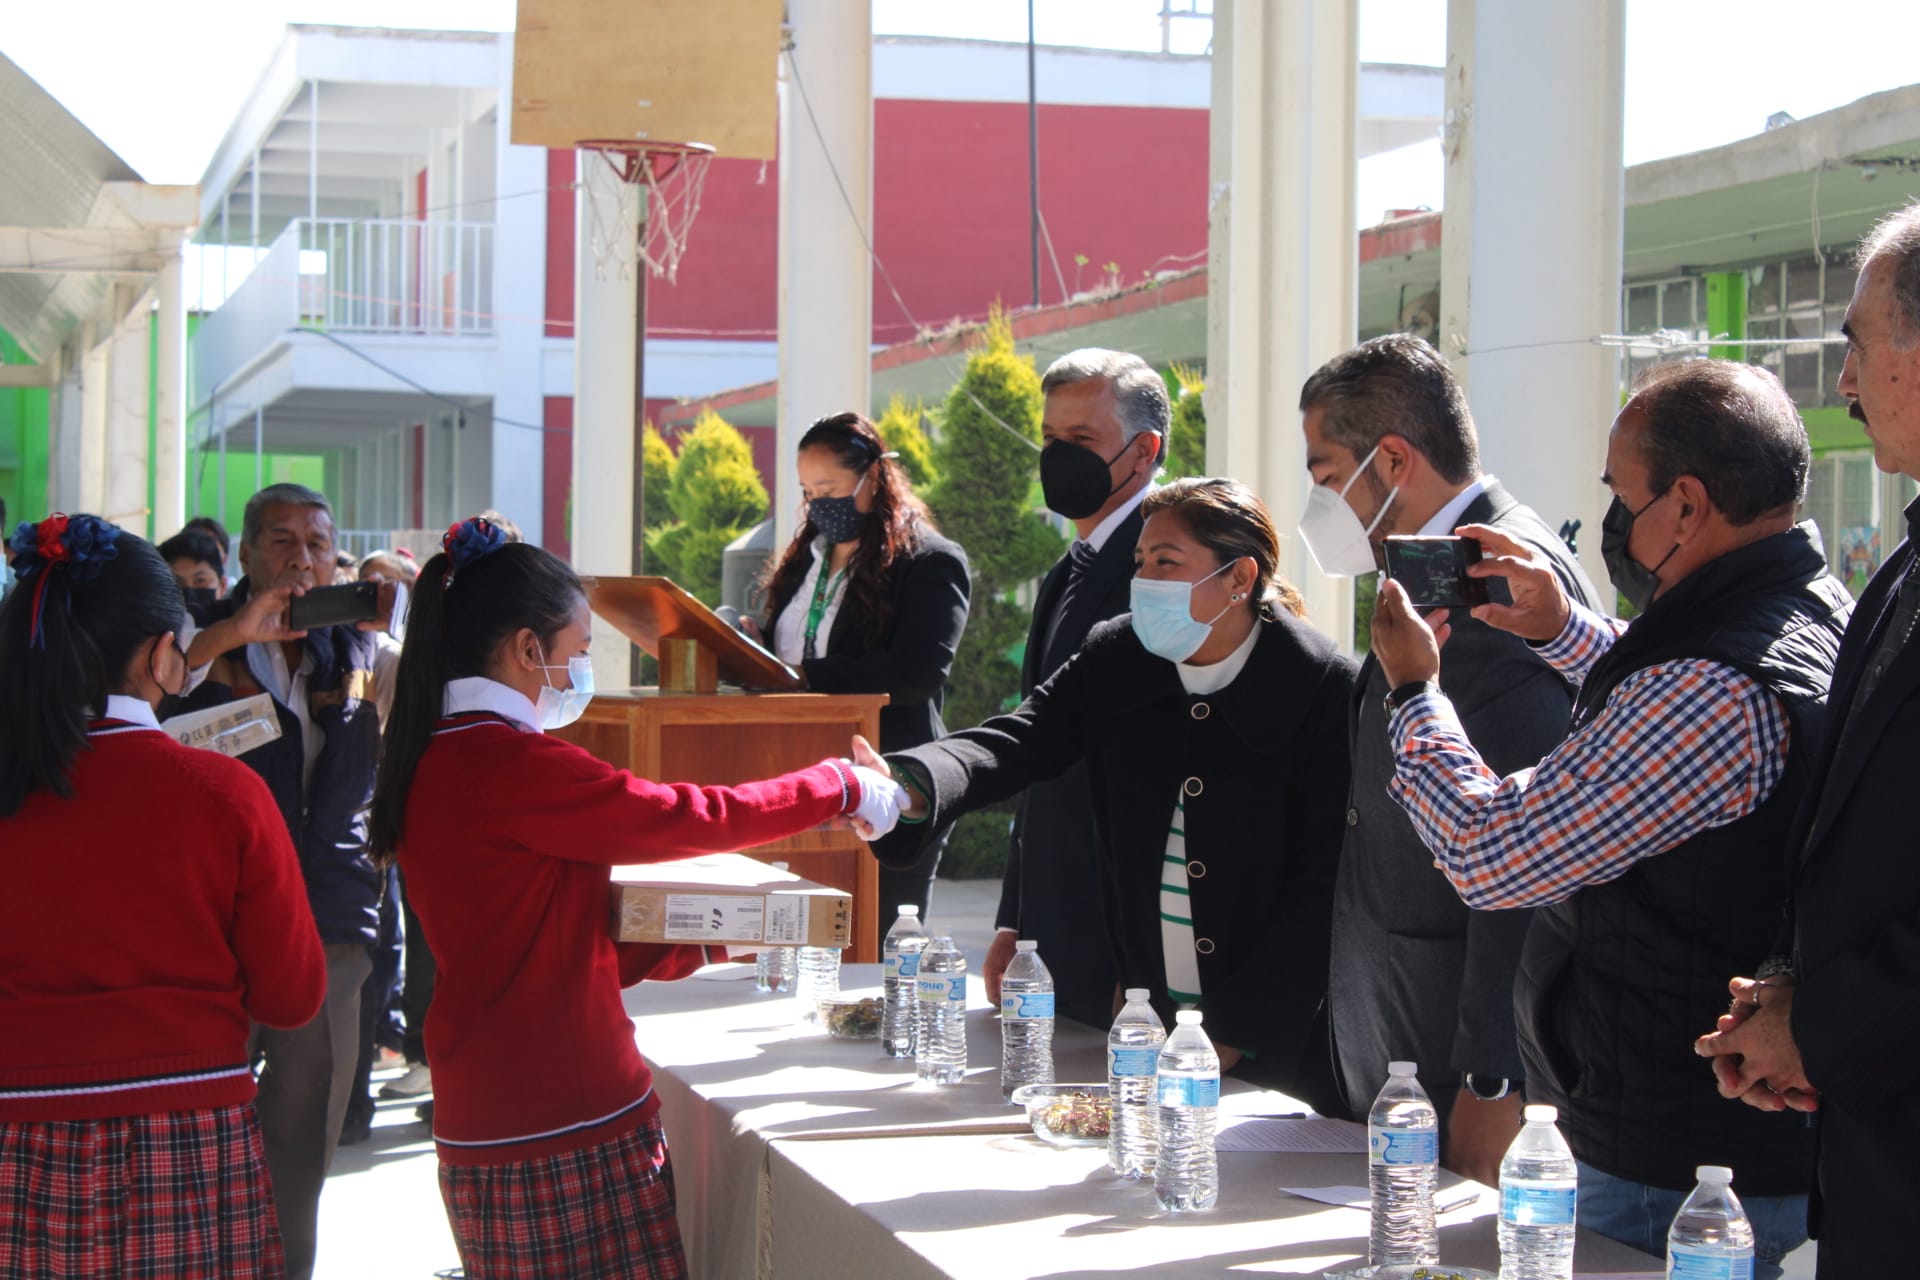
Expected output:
{"points": [[1731, 426], [1139, 394], [1397, 385], [292, 495], [195, 545]]}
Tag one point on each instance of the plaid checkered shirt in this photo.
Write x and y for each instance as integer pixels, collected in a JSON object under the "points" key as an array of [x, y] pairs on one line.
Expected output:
{"points": [[1681, 747]]}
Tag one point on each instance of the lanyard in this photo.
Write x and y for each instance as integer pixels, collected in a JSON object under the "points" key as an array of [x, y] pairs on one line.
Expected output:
{"points": [[823, 590]]}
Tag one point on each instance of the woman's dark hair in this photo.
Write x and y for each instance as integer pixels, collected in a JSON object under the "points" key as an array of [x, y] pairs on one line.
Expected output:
{"points": [[196, 545], [465, 602], [893, 527], [1224, 517], [101, 596], [215, 530]]}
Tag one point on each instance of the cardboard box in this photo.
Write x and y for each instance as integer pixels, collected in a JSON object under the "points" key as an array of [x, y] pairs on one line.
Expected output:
{"points": [[728, 899]]}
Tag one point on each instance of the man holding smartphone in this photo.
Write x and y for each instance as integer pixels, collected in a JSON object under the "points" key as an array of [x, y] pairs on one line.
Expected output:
{"points": [[330, 686], [1415, 974]]}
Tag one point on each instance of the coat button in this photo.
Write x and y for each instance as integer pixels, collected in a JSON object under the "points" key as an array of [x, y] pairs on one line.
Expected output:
{"points": [[1353, 817], [1196, 869], [1200, 711], [1203, 945], [1192, 786]]}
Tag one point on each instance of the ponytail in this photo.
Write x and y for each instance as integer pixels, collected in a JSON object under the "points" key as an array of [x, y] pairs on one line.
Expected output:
{"points": [[477, 592]]}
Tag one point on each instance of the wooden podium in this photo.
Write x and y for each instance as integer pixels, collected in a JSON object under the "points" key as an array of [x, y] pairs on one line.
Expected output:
{"points": [[691, 730]]}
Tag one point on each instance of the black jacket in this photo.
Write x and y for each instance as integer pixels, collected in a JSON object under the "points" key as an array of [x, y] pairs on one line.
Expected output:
{"points": [[1856, 904], [1620, 977], [1417, 975], [1264, 812], [909, 663]]}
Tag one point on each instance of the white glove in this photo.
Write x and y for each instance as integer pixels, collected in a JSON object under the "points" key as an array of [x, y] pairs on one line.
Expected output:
{"points": [[881, 799]]}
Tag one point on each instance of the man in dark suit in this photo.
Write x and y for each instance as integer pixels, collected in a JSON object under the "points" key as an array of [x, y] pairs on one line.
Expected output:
{"points": [[1105, 426], [1834, 1028], [1416, 975]]}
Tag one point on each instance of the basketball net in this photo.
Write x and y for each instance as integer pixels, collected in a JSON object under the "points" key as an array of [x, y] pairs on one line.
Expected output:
{"points": [[665, 181]]}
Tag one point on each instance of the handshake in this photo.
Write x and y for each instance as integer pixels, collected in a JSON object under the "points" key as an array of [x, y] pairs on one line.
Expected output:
{"points": [[881, 800]]}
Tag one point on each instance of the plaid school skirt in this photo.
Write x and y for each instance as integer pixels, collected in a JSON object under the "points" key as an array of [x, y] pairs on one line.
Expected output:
{"points": [[600, 1213], [181, 1195]]}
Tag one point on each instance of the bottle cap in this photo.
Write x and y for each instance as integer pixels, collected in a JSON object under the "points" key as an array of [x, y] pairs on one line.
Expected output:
{"points": [[1025, 945], [1138, 995], [907, 909], [1403, 1068], [1187, 1018], [779, 866], [1714, 1173], [1540, 1113]]}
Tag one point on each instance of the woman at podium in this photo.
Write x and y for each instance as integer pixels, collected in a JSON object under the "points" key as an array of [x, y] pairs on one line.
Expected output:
{"points": [[869, 598], [1212, 719]]}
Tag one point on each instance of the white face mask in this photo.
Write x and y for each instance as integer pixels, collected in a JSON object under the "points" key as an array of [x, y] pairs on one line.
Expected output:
{"points": [[1334, 534], [558, 708], [1162, 615]]}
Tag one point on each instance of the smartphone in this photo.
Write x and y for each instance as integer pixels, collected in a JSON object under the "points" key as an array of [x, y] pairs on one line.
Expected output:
{"points": [[1433, 571], [334, 606]]}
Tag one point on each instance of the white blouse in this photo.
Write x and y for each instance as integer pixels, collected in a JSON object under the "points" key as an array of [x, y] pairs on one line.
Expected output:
{"points": [[790, 628]]}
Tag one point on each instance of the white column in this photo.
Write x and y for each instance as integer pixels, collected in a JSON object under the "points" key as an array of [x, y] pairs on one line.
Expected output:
{"points": [[826, 280], [1534, 95], [170, 399], [603, 350], [1281, 252], [517, 459], [129, 371], [95, 394]]}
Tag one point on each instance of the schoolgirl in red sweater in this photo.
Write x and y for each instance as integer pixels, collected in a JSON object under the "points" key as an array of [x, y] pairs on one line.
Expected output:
{"points": [[552, 1158], [153, 907]]}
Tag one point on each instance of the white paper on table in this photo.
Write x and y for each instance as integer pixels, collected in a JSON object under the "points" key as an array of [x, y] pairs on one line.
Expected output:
{"points": [[1445, 1200], [1307, 1133]]}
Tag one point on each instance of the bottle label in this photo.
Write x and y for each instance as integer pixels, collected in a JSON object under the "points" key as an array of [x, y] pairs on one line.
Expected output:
{"points": [[1141, 1061], [949, 988], [1189, 1091], [1691, 1262], [1537, 1204], [903, 966], [1403, 1146], [1026, 1006]]}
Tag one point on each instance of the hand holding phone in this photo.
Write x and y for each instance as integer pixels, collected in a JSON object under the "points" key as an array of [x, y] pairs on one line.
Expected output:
{"points": [[1433, 571], [334, 606]]}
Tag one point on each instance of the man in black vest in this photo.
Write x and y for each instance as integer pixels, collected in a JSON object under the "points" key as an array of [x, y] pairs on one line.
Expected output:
{"points": [[1105, 426], [1652, 841], [1416, 975], [327, 686], [1836, 1029]]}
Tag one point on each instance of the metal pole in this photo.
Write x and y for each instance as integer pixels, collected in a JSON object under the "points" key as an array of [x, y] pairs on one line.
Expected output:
{"points": [[313, 150], [639, 518], [1033, 163], [253, 198], [259, 449]]}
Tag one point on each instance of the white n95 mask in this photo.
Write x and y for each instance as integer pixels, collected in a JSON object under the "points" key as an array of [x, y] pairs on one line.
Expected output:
{"points": [[1334, 534]]}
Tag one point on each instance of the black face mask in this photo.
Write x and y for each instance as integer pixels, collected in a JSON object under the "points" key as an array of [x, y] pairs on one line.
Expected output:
{"points": [[202, 596], [1074, 480], [1634, 581], [837, 519]]}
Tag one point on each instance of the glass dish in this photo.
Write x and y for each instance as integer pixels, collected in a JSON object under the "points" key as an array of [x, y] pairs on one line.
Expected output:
{"points": [[1067, 1115], [850, 1017]]}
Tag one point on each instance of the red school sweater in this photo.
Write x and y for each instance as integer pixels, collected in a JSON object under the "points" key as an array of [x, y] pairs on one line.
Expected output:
{"points": [[146, 918], [508, 843]]}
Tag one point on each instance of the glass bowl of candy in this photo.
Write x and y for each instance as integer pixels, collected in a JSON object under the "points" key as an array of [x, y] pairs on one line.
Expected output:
{"points": [[1067, 1115]]}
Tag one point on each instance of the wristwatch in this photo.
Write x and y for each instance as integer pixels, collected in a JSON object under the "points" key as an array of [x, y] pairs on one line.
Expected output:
{"points": [[1487, 1088], [1400, 695]]}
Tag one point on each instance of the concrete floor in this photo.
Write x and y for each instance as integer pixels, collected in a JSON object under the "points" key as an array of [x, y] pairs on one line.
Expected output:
{"points": [[381, 1214]]}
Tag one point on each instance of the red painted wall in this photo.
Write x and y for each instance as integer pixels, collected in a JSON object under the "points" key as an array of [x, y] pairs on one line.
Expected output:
{"points": [[560, 236], [556, 473]]}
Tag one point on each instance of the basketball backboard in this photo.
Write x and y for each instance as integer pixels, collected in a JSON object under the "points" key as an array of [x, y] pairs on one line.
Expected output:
{"points": [[648, 71]]}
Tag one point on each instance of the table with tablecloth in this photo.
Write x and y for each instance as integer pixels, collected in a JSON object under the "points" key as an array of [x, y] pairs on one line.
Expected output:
{"points": [[797, 1155]]}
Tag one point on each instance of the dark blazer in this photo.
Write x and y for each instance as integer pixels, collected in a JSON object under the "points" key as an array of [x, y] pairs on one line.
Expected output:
{"points": [[1416, 974], [1856, 915], [929, 590], [1263, 808], [1052, 855]]}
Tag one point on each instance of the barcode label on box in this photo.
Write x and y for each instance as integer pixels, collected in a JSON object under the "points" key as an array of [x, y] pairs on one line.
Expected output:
{"points": [[695, 917], [786, 920]]}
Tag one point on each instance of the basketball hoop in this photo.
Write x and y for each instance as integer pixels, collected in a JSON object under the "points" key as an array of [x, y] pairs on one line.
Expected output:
{"points": [[667, 178]]}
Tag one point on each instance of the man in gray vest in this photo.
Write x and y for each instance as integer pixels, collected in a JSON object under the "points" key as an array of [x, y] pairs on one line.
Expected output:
{"points": [[1416, 975]]}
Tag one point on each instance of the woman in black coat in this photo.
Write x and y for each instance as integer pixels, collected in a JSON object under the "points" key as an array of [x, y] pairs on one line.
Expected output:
{"points": [[869, 598], [1212, 720]]}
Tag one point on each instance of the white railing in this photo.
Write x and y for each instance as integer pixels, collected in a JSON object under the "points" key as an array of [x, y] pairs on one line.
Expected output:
{"points": [[383, 275]]}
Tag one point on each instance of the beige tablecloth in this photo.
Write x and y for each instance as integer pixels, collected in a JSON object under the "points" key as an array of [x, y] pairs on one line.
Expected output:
{"points": [[800, 1156]]}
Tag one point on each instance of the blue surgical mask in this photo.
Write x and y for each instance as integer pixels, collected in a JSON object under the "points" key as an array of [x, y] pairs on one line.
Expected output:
{"points": [[558, 708], [1163, 616]]}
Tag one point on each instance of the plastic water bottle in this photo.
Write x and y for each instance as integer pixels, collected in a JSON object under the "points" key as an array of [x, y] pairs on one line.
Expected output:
{"points": [[819, 979], [940, 1039], [1186, 1171], [1026, 1020], [1133, 1052], [905, 941], [1403, 1167], [1539, 1187], [774, 968], [1711, 1238]]}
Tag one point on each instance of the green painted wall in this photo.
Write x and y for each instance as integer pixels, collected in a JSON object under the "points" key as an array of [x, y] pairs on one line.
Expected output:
{"points": [[23, 442], [1830, 430]]}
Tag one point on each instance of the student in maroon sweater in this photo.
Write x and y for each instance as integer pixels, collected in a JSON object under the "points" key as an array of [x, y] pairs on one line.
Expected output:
{"points": [[552, 1159], [153, 908]]}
